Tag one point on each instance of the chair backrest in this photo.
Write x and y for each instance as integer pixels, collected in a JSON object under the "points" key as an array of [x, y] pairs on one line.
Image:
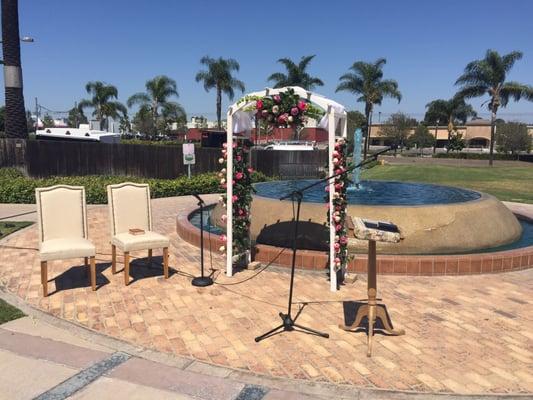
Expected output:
{"points": [[61, 212], [129, 207]]}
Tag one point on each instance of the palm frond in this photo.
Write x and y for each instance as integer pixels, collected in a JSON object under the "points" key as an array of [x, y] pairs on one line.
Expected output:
{"points": [[138, 98]]}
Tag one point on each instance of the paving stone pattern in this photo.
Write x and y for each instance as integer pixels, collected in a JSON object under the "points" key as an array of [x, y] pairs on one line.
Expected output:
{"points": [[464, 334]]}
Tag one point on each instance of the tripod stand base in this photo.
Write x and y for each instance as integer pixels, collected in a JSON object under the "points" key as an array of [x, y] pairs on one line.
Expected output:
{"points": [[288, 324], [202, 281]]}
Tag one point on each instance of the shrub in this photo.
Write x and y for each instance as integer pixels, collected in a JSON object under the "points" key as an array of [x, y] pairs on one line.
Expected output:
{"points": [[16, 188], [476, 156]]}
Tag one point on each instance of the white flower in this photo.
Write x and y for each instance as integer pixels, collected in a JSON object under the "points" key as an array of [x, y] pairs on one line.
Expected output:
{"points": [[290, 118], [335, 160], [222, 249], [221, 160], [223, 170], [222, 181]]}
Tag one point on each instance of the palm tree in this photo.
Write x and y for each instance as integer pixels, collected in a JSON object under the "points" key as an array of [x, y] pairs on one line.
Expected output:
{"points": [[156, 100], [449, 112], [102, 103], [218, 76], [296, 74], [489, 76], [366, 81], [15, 118]]}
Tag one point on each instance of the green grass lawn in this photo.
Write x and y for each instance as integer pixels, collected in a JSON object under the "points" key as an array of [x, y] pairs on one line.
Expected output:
{"points": [[8, 312], [7, 228], [506, 183]]}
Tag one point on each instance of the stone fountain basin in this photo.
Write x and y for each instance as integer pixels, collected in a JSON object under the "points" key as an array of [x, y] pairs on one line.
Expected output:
{"points": [[426, 229]]}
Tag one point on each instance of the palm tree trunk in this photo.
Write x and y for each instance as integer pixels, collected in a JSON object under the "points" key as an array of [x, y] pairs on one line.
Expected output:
{"points": [[219, 107], [368, 131], [492, 135], [15, 114]]}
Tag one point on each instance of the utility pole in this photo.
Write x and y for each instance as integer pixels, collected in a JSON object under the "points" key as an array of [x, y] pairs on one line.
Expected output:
{"points": [[36, 115]]}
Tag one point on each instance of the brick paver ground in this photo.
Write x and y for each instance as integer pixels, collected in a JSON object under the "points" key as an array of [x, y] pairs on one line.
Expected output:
{"points": [[464, 334]]}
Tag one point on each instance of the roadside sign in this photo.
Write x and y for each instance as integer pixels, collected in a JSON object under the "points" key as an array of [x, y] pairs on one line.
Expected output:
{"points": [[188, 154]]}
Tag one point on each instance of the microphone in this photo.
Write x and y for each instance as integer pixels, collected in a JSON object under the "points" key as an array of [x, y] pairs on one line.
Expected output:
{"points": [[393, 147]]}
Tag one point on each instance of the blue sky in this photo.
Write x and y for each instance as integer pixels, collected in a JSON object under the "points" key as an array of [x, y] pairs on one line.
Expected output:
{"points": [[125, 42]]}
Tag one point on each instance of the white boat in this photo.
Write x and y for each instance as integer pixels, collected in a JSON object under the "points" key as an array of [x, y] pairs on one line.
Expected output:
{"points": [[292, 145], [82, 134]]}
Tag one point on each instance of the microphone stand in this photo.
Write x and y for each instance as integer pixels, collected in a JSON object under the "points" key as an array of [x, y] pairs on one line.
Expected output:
{"points": [[288, 322], [202, 280]]}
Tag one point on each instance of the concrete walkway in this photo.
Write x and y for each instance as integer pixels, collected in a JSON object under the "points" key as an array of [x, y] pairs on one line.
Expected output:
{"points": [[446, 349], [65, 361]]}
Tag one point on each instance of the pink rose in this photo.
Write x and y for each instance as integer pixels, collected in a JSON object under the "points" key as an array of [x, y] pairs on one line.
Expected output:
{"points": [[259, 104], [326, 188], [295, 111], [336, 246], [276, 98], [225, 145], [241, 211], [343, 240], [338, 227], [302, 105], [250, 170], [336, 153], [234, 198], [238, 158], [234, 145], [338, 186], [223, 238], [239, 175]]}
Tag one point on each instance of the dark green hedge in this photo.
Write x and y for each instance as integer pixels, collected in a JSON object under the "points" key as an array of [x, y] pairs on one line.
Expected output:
{"points": [[477, 156], [17, 188]]}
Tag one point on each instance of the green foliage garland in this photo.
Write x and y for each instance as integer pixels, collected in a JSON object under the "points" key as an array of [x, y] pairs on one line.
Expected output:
{"points": [[337, 215], [241, 198]]}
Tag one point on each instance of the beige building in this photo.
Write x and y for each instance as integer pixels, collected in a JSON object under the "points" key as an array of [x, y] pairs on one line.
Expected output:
{"points": [[476, 134]]}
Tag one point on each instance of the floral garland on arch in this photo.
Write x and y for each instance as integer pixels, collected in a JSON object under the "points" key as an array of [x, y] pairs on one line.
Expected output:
{"points": [[284, 110], [241, 199], [339, 215]]}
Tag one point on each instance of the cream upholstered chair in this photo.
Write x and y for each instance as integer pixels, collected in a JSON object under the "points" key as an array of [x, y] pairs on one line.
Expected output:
{"points": [[62, 222], [129, 208]]}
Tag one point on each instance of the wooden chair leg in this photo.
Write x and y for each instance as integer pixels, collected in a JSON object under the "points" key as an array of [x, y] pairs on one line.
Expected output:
{"points": [[149, 257], [86, 263], [93, 273], [113, 259], [44, 277], [126, 268], [165, 262]]}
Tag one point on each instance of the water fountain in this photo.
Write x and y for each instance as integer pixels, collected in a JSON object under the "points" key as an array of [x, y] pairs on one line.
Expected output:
{"points": [[357, 158]]}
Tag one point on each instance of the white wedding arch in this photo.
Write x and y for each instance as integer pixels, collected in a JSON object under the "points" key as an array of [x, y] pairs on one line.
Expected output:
{"points": [[239, 120]]}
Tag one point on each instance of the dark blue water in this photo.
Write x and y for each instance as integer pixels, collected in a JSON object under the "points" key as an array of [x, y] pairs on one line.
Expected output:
{"points": [[375, 193], [525, 240]]}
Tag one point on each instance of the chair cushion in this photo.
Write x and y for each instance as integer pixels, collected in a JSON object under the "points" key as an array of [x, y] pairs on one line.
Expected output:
{"points": [[148, 240], [60, 249]]}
